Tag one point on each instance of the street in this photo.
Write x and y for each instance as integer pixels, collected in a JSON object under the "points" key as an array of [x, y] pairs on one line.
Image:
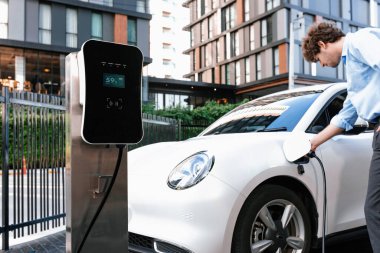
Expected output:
{"points": [[357, 245]]}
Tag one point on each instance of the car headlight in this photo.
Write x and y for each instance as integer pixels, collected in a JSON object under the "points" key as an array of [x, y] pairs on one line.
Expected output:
{"points": [[191, 171]]}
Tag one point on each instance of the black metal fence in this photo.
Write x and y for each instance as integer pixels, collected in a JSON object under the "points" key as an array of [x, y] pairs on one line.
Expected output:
{"points": [[188, 130], [32, 162], [157, 129]]}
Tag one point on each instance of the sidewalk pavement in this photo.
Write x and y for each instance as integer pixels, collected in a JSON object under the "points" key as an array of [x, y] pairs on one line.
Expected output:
{"points": [[54, 243]]}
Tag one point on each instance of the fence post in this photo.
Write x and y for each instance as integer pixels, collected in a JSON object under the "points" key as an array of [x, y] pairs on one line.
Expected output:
{"points": [[5, 177], [179, 130]]}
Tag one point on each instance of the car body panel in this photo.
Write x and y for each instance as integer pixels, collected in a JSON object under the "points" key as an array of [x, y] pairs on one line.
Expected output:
{"points": [[347, 179], [202, 218]]}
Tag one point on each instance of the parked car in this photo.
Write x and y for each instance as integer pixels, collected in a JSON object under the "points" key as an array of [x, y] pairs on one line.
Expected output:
{"points": [[231, 189]]}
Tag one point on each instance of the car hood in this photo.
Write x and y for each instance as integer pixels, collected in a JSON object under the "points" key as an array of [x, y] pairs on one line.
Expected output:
{"points": [[236, 150]]}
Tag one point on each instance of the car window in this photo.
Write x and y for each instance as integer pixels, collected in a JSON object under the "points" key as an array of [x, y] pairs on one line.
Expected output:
{"points": [[325, 116], [273, 113], [329, 111]]}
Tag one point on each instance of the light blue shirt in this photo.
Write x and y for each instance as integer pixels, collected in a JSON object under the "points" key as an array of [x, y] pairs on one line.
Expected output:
{"points": [[361, 55]]}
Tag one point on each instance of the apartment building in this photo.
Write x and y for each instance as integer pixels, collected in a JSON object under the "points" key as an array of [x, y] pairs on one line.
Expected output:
{"points": [[245, 43], [168, 39], [36, 35]]}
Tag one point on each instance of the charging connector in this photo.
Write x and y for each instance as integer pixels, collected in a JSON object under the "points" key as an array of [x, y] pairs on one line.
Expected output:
{"points": [[313, 155]]}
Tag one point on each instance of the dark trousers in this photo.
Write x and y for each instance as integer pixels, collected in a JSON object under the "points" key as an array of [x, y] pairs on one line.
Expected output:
{"points": [[372, 204]]}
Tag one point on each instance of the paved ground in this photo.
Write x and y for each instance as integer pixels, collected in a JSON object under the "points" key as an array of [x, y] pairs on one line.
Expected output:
{"points": [[55, 243]]}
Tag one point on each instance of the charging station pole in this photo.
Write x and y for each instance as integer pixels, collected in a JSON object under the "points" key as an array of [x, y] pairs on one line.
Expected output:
{"points": [[113, 116]]}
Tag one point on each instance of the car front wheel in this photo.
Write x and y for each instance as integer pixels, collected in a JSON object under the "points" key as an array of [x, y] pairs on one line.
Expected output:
{"points": [[273, 219]]}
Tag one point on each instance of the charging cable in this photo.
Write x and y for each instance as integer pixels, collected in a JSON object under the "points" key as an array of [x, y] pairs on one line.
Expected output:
{"points": [[313, 155], [107, 193]]}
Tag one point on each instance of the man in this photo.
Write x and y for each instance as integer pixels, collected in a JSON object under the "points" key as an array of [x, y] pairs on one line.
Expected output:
{"points": [[360, 52]]}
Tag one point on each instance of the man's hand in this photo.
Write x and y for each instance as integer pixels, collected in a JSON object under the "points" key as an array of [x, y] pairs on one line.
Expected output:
{"points": [[327, 133]]}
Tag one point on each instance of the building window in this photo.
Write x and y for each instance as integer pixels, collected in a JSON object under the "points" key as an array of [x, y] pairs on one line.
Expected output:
{"points": [[165, 100], [246, 10], [258, 67], [31, 70], [203, 30], [201, 8], [71, 28], [97, 26], [266, 31], [361, 12], [353, 28], [166, 62], [247, 70], [237, 73], [234, 44], [210, 26], [166, 30], [193, 60], [335, 8], [167, 48], [213, 4], [101, 2], [192, 37], [132, 31], [270, 4], [3, 19], [166, 14], [218, 59], [200, 77], [228, 17], [227, 71], [276, 62], [159, 101], [346, 9], [44, 24], [203, 56], [252, 37], [140, 6]]}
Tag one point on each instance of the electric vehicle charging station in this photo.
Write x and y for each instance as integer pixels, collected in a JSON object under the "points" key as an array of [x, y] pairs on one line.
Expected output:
{"points": [[103, 113]]}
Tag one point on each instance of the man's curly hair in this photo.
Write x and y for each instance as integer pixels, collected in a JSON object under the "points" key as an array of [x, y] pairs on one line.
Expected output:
{"points": [[326, 32]]}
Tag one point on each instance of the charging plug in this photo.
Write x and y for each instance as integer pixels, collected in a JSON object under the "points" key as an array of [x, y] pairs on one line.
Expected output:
{"points": [[300, 169], [311, 154]]}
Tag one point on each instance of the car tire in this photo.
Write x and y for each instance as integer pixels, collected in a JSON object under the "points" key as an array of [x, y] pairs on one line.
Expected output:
{"points": [[273, 219]]}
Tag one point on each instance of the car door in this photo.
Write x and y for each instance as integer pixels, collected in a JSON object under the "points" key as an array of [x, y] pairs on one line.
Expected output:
{"points": [[346, 158]]}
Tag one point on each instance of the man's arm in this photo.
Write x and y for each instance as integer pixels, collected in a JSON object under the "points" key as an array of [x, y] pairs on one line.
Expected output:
{"points": [[327, 133]]}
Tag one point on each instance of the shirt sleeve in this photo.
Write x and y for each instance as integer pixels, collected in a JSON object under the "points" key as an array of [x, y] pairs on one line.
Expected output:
{"points": [[346, 117]]}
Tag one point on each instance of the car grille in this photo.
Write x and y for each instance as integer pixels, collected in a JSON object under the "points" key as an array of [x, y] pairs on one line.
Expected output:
{"points": [[144, 244], [140, 241]]}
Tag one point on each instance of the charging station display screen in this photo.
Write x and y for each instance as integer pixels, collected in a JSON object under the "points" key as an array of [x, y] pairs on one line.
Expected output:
{"points": [[113, 80]]}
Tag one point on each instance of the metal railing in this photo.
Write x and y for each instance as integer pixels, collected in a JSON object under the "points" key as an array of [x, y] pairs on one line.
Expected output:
{"points": [[157, 129], [192, 129], [32, 164]]}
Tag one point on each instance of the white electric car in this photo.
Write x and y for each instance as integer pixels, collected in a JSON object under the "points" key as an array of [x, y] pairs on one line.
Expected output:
{"points": [[231, 189]]}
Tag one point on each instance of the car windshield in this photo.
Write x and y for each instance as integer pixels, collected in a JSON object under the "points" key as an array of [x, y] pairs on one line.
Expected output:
{"points": [[267, 114]]}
